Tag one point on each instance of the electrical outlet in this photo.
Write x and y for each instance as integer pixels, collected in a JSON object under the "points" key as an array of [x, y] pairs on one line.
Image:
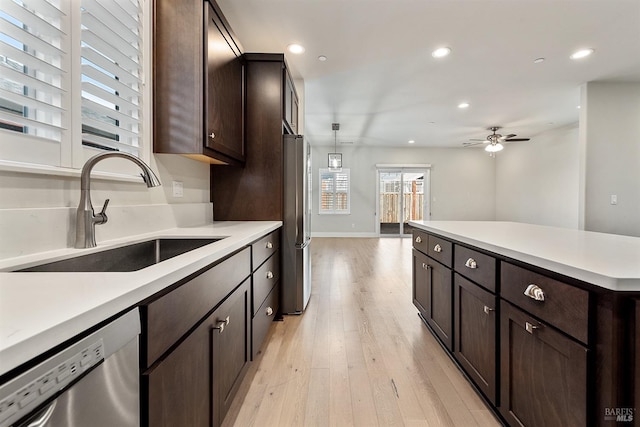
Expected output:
{"points": [[614, 199], [178, 189]]}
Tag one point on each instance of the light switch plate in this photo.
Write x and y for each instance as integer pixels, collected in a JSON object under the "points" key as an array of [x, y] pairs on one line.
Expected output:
{"points": [[178, 189], [614, 199]]}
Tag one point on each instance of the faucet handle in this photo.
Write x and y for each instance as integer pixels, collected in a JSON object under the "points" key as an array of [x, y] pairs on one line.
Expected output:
{"points": [[102, 216]]}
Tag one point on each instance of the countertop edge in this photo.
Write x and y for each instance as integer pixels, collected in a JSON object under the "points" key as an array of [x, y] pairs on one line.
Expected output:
{"points": [[620, 284]]}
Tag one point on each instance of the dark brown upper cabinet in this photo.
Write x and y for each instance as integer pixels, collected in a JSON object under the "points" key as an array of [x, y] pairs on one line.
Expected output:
{"points": [[198, 83]]}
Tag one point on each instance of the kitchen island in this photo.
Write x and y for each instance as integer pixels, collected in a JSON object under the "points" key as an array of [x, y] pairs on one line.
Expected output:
{"points": [[541, 320]]}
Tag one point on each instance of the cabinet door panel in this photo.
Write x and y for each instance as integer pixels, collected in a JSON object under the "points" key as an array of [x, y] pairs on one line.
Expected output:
{"points": [[441, 303], [223, 90], [229, 349], [178, 386], [475, 325], [543, 375], [421, 282]]}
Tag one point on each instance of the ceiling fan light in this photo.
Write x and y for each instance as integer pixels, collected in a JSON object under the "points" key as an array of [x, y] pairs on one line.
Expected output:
{"points": [[493, 148]]}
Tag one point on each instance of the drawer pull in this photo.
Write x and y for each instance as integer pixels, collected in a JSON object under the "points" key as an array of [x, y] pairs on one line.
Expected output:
{"points": [[212, 135], [269, 275], [418, 239], [534, 292], [269, 311], [530, 327], [437, 248], [269, 245], [221, 324], [471, 263], [426, 266], [488, 310]]}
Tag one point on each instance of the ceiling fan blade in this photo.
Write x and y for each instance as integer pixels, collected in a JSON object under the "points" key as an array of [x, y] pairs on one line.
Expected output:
{"points": [[471, 144], [517, 139], [511, 135], [481, 140]]}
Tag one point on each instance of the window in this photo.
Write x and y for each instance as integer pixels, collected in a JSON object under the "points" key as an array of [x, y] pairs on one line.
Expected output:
{"points": [[70, 78], [334, 192]]}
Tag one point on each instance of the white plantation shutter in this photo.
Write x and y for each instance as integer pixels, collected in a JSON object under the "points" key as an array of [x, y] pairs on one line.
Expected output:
{"points": [[33, 63], [111, 74], [334, 191]]}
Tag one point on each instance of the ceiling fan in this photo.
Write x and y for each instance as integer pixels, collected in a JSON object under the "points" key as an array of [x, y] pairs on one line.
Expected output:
{"points": [[494, 140]]}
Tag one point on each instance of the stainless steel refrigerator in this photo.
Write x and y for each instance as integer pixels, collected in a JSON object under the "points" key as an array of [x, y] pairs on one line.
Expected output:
{"points": [[296, 232]]}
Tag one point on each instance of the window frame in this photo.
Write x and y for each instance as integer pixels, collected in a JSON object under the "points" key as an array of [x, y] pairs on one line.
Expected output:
{"points": [[334, 211]]}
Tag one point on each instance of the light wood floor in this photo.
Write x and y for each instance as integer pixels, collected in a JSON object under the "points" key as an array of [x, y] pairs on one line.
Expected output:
{"points": [[359, 355]]}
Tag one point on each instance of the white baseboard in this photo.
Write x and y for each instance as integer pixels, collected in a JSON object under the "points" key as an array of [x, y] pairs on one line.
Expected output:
{"points": [[343, 234]]}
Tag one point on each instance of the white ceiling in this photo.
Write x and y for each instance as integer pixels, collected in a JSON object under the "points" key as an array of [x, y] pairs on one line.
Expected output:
{"points": [[382, 85]]}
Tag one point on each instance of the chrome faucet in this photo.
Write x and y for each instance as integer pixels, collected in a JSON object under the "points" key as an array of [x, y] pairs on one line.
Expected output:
{"points": [[86, 219]]}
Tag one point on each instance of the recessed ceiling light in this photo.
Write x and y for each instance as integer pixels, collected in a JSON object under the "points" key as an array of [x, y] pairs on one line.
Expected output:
{"points": [[538, 60], [411, 141], [322, 58], [295, 48], [463, 105], [441, 52], [578, 107], [583, 53]]}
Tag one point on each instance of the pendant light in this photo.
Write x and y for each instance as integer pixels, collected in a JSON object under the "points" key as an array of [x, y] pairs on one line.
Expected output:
{"points": [[334, 160]]}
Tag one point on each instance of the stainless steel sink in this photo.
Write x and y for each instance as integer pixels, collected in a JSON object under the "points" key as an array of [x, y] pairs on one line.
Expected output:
{"points": [[132, 257]]}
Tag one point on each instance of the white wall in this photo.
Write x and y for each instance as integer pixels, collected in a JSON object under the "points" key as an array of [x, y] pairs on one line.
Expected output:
{"points": [[37, 211], [610, 148], [537, 182], [462, 185]]}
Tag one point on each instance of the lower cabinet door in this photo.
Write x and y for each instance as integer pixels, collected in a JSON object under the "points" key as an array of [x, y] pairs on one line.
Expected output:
{"points": [[178, 386], [230, 347], [440, 309], [543, 373], [421, 281], [475, 320]]}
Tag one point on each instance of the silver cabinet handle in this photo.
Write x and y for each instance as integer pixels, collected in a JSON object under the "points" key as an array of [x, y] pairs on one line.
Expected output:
{"points": [[530, 327], [269, 274], [533, 291], [212, 135], [437, 248], [221, 324], [471, 263], [269, 311], [426, 266], [269, 245], [488, 310], [418, 239]]}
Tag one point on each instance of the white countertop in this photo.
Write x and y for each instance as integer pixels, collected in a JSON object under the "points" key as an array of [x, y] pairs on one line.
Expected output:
{"points": [[610, 261], [40, 310]]}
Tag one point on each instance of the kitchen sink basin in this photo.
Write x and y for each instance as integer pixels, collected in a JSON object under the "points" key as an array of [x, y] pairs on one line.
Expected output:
{"points": [[135, 256]]}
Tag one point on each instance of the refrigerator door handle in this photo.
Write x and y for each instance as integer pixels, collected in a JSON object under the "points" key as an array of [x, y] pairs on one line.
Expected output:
{"points": [[303, 244]]}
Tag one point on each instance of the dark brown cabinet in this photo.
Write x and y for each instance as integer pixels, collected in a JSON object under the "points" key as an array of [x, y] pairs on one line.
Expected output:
{"points": [[475, 323], [198, 83], [290, 104], [196, 345], [195, 383], [255, 191], [433, 293], [543, 373]]}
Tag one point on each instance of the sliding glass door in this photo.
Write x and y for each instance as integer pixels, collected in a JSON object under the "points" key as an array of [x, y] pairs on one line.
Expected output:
{"points": [[403, 195]]}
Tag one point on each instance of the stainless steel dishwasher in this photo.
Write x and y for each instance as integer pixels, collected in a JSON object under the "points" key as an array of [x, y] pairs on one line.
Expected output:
{"points": [[93, 382]]}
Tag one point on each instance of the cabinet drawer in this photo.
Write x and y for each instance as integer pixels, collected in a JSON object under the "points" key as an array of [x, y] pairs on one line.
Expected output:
{"points": [[172, 315], [479, 267], [263, 318], [440, 250], [564, 306], [264, 278], [420, 240], [264, 248]]}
